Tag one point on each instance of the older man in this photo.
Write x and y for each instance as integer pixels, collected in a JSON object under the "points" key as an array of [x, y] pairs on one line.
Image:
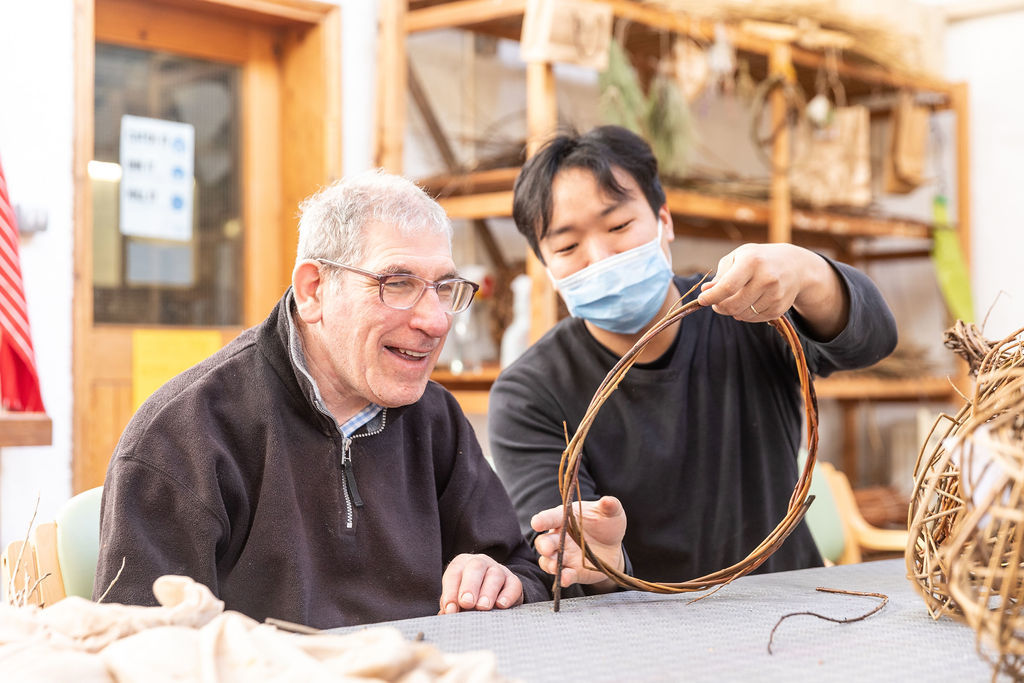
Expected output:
{"points": [[309, 471]]}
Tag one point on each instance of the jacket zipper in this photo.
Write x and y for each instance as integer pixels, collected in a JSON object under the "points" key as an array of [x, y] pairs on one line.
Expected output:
{"points": [[351, 491]]}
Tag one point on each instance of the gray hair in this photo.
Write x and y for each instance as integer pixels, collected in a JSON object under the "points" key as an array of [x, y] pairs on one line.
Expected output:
{"points": [[333, 222]]}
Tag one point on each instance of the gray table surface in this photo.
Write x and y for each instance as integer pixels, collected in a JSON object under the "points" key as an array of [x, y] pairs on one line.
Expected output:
{"points": [[632, 636]]}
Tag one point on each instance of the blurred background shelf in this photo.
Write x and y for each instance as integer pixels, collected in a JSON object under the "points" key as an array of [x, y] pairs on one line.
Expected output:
{"points": [[25, 429], [474, 387]]}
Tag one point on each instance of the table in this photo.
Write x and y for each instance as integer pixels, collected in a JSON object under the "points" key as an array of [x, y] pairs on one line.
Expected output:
{"points": [[632, 636]]}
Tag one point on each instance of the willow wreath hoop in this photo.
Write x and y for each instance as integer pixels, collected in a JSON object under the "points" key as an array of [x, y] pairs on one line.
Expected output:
{"points": [[569, 467]]}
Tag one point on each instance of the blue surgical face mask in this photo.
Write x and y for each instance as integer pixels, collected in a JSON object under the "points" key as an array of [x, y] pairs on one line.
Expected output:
{"points": [[621, 293]]}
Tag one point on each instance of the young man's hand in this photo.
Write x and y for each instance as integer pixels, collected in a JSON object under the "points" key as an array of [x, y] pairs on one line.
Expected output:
{"points": [[604, 525], [759, 282]]}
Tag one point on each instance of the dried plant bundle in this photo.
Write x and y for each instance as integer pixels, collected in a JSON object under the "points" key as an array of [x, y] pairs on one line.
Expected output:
{"points": [[568, 471], [902, 48]]}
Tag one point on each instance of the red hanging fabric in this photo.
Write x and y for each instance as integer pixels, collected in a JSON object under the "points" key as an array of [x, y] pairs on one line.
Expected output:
{"points": [[19, 382]]}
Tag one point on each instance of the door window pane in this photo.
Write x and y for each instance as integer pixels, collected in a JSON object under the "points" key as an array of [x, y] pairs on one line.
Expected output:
{"points": [[193, 277]]}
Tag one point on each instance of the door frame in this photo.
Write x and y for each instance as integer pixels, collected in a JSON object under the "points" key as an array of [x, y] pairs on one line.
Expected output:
{"points": [[293, 90]]}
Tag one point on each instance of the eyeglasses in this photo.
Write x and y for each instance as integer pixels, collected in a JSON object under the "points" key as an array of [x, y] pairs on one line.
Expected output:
{"points": [[402, 290]]}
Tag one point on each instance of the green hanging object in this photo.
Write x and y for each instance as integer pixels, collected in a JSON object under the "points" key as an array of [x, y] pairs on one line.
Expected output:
{"points": [[950, 265], [623, 102], [670, 128]]}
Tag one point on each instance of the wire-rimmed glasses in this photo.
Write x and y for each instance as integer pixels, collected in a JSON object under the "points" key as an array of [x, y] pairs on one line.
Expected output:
{"points": [[402, 291]]}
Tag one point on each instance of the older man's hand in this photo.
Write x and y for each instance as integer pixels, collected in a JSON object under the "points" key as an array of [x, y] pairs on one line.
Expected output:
{"points": [[478, 582]]}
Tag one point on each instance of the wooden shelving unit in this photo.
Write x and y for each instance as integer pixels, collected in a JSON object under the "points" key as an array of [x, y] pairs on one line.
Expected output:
{"points": [[488, 193]]}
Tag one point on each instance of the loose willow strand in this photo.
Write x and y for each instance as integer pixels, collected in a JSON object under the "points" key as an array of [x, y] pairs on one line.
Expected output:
{"points": [[568, 471], [836, 620]]}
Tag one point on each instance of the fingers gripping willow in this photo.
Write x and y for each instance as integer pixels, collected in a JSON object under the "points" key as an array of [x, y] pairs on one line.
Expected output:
{"points": [[568, 471]]}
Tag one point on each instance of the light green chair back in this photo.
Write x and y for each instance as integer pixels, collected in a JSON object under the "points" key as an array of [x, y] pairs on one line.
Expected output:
{"points": [[823, 516], [78, 541]]}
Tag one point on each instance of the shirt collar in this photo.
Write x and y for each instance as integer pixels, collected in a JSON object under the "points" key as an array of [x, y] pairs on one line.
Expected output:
{"points": [[298, 359]]}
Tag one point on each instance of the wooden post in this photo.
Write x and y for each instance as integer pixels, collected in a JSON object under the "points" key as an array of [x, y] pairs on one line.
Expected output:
{"points": [[541, 121], [85, 77], [780, 65], [391, 85], [851, 445]]}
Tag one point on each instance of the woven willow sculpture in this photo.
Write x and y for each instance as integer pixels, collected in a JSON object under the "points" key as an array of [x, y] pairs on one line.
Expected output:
{"points": [[937, 505], [965, 554], [935, 508], [986, 554]]}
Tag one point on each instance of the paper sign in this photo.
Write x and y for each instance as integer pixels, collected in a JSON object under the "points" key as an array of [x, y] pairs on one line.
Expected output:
{"points": [[157, 162], [159, 355]]}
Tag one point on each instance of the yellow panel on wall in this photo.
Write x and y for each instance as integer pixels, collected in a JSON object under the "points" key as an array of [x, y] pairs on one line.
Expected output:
{"points": [[159, 355]]}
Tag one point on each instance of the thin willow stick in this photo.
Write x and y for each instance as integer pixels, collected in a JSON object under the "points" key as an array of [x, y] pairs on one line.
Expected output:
{"points": [[845, 620]]}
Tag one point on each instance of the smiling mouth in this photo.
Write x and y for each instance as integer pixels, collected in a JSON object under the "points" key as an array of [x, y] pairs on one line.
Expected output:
{"points": [[408, 353]]}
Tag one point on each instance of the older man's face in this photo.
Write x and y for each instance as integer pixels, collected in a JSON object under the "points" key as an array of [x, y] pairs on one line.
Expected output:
{"points": [[377, 353]]}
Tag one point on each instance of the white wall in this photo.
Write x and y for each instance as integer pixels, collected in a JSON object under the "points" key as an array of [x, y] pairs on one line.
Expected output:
{"points": [[358, 82], [987, 53], [36, 132]]}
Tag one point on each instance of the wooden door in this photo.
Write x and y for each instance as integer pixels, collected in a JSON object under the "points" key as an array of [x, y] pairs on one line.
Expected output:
{"points": [[198, 153]]}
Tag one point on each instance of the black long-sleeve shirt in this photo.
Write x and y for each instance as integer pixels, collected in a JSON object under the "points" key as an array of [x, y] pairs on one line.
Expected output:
{"points": [[230, 475], [700, 446]]}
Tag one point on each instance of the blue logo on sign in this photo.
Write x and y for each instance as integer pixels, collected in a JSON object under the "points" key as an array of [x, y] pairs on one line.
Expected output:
{"points": [[177, 202]]}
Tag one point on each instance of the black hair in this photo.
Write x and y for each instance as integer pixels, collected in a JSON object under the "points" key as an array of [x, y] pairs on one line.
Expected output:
{"points": [[598, 151]]}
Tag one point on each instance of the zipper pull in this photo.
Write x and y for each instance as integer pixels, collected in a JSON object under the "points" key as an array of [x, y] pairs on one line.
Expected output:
{"points": [[346, 467]]}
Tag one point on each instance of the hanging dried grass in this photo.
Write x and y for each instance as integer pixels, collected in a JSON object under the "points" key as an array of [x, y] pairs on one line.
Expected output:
{"points": [[938, 503], [662, 116], [670, 126], [622, 102], [568, 471]]}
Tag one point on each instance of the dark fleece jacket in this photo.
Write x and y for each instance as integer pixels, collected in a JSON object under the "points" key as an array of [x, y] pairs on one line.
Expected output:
{"points": [[230, 475]]}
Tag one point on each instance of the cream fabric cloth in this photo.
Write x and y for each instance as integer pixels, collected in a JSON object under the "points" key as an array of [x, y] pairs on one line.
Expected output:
{"points": [[191, 638]]}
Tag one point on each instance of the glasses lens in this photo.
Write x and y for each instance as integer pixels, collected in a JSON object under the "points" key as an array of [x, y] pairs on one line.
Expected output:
{"points": [[401, 291], [460, 296]]}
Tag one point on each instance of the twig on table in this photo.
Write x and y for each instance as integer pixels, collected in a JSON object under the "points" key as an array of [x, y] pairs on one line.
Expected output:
{"points": [[291, 626], [116, 577], [846, 620], [15, 598]]}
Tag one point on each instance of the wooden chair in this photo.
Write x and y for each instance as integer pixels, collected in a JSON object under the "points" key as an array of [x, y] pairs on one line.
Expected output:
{"points": [[839, 529], [60, 558]]}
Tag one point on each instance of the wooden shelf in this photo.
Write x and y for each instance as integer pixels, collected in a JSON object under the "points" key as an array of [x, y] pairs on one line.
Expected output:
{"points": [[696, 213], [485, 194], [853, 387], [463, 381], [471, 389], [25, 429]]}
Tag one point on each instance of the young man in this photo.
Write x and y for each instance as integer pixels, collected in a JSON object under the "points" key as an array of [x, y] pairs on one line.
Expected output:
{"points": [[309, 471], [699, 442]]}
